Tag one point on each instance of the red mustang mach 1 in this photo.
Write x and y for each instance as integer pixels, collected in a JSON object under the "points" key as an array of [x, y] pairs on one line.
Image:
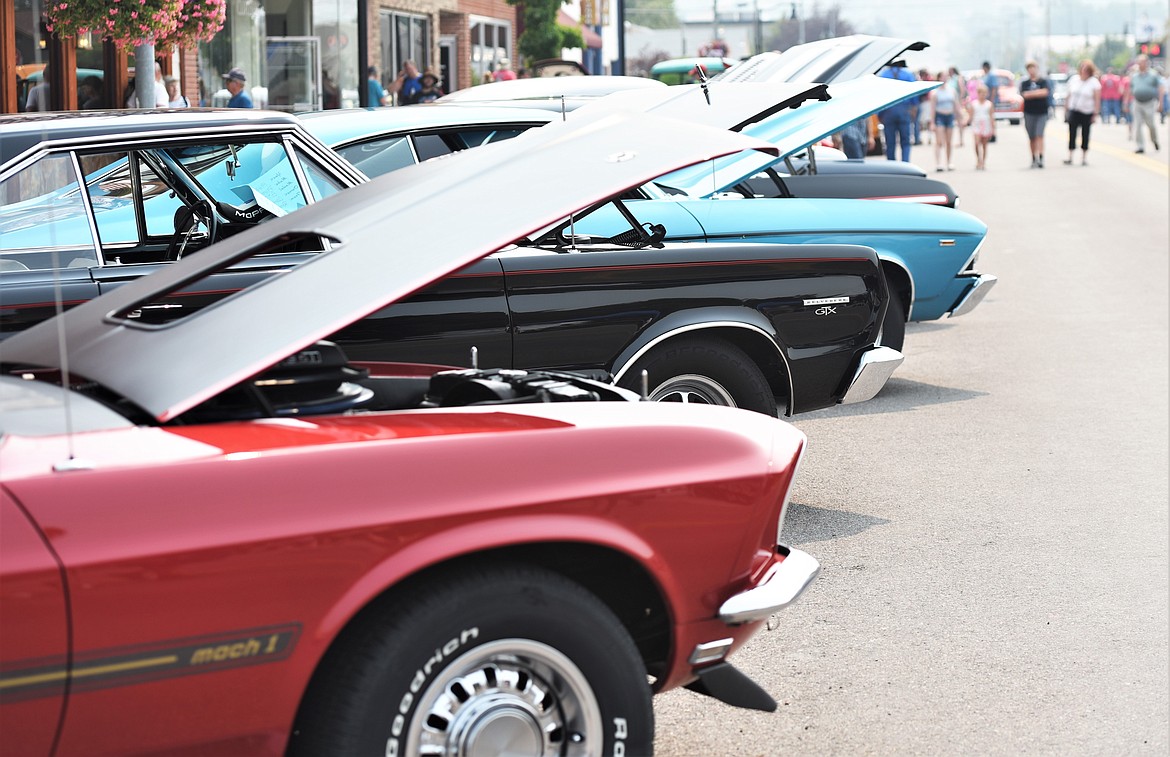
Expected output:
{"points": [[218, 536]]}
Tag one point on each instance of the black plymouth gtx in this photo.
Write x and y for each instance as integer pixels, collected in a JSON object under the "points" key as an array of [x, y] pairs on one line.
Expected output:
{"points": [[91, 201]]}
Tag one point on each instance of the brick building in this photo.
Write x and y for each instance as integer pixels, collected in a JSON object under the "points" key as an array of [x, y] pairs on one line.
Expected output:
{"points": [[298, 54]]}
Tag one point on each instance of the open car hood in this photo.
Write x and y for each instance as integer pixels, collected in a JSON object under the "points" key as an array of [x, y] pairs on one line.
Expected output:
{"points": [[794, 130], [384, 247], [826, 61], [550, 87], [726, 105]]}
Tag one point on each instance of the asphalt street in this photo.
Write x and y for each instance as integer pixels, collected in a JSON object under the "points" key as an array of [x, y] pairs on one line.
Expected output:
{"points": [[992, 528]]}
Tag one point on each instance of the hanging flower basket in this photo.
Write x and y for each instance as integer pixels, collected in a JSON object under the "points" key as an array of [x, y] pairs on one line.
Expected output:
{"points": [[199, 21], [126, 23]]}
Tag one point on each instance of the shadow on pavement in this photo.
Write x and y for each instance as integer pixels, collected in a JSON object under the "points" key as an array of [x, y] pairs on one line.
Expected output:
{"points": [[898, 395], [804, 524], [925, 327]]}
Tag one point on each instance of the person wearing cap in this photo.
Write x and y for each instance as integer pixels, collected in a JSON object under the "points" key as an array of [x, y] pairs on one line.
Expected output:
{"points": [[235, 80], [504, 70], [431, 90]]}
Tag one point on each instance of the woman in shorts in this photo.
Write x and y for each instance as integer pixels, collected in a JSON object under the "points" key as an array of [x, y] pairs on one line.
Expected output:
{"points": [[945, 102]]}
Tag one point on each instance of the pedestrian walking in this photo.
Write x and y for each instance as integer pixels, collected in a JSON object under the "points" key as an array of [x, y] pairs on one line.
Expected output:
{"points": [[407, 84], [1147, 91], [991, 81], [175, 98], [1035, 91], [376, 94], [234, 80], [1110, 96], [896, 119], [924, 123], [504, 71], [944, 102], [960, 84], [431, 89], [982, 113], [855, 139], [1082, 108]]}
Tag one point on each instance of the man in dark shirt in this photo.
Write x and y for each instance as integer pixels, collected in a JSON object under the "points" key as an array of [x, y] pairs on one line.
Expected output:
{"points": [[1035, 91]]}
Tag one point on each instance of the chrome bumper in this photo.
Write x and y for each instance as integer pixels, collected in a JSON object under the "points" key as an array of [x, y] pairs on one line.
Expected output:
{"points": [[873, 372], [975, 295], [779, 587]]}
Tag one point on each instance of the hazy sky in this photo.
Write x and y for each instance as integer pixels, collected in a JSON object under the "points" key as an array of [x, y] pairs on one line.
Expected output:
{"points": [[965, 33]]}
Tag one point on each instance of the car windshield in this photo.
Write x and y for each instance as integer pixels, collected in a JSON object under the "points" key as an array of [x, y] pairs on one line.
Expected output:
{"points": [[130, 203]]}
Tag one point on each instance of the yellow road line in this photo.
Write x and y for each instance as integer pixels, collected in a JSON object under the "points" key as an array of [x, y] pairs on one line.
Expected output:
{"points": [[97, 670], [1141, 161]]}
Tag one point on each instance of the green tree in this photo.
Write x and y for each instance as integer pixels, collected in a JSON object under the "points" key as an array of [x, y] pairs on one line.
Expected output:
{"points": [[543, 37], [818, 24], [654, 14], [1111, 52]]}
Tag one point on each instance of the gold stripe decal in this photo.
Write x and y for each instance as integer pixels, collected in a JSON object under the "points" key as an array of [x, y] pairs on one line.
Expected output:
{"points": [[120, 667]]}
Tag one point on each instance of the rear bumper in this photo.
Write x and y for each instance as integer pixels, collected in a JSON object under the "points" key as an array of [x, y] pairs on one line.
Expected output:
{"points": [[779, 587], [874, 370], [969, 301]]}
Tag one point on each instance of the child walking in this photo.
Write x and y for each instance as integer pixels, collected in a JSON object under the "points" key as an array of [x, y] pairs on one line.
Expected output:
{"points": [[982, 125]]}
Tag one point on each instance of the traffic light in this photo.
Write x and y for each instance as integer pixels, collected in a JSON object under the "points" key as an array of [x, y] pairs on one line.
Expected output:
{"points": [[1152, 49]]}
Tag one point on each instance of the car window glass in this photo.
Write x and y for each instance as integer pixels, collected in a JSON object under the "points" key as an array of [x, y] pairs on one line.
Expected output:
{"points": [[430, 146], [321, 184], [478, 137], [40, 208], [159, 202], [379, 156], [110, 186], [244, 174]]}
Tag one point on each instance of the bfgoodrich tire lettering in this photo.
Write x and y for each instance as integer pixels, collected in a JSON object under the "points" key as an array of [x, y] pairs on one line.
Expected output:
{"points": [[702, 370], [511, 657]]}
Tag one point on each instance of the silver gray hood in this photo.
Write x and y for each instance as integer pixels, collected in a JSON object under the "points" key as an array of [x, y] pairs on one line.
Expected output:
{"points": [[726, 105], [392, 237], [825, 61]]}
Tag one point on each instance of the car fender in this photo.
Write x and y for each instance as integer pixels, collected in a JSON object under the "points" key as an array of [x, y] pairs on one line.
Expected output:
{"points": [[903, 287], [750, 322], [484, 536]]}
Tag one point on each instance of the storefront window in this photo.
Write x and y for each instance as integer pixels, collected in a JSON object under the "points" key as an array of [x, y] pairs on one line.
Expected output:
{"points": [[32, 56], [404, 37], [239, 45], [491, 41], [335, 24]]}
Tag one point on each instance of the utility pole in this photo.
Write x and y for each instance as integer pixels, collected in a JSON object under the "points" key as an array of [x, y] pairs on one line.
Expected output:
{"points": [[800, 40], [757, 29], [1048, 36], [621, 37]]}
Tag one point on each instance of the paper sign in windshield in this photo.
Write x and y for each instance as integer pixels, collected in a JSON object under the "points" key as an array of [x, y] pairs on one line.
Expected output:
{"points": [[277, 190]]}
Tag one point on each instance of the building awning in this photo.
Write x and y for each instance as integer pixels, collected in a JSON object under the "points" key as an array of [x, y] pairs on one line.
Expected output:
{"points": [[592, 38]]}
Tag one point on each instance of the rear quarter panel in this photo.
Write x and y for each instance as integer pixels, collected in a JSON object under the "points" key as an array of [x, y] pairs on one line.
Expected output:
{"points": [[913, 235]]}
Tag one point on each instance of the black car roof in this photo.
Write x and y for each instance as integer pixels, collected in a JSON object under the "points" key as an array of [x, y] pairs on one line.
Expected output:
{"points": [[23, 132]]}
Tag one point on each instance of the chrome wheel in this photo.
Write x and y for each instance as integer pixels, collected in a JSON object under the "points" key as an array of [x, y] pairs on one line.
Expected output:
{"points": [[508, 698], [693, 389]]}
